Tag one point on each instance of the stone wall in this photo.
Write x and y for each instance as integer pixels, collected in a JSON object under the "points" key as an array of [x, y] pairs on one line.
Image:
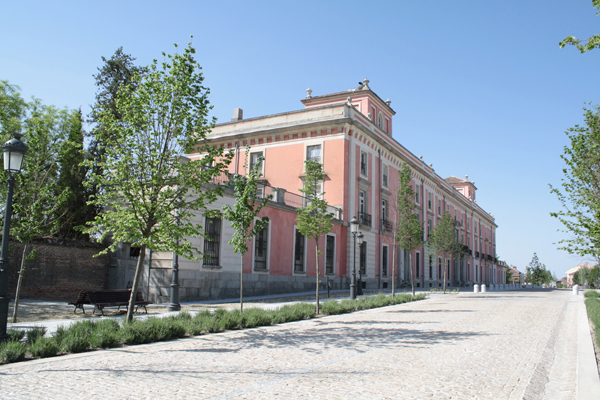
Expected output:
{"points": [[59, 271]]}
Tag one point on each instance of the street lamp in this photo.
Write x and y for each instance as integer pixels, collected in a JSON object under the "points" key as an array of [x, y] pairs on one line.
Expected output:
{"points": [[174, 305], [14, 152], [356, 234]]}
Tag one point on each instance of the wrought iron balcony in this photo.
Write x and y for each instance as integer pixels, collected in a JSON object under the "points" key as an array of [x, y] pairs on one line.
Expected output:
{"points": [[364, 219], [387, 225]]}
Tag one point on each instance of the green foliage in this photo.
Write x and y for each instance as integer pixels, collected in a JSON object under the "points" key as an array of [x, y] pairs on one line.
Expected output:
{"points": [[35, 333], [443, 240], [314, 221], [44, 347], [585, 44], [12, 351], [333, 307], [591, 294], [594, 277], [592, 305], [580, 194], [537, 274], [409, 230], [151, 194], [16, 334]]}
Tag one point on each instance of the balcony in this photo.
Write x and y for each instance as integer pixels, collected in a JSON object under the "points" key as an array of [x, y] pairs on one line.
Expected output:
{"points": [[387, 225], [490, 258], [364, 219], [476, 254]]}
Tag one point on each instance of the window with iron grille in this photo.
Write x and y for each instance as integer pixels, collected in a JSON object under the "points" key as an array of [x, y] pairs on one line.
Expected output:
{"points": [[439, 269], [212, 240], [363, 258], [418, 265], [430, 267], [299, 252], [384, 261], [330, 255], [385, 175], [261, 241], [363, 163]]}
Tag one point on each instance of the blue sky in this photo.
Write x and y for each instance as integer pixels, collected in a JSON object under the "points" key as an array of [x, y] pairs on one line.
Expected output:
{"points": [[480, 88]]}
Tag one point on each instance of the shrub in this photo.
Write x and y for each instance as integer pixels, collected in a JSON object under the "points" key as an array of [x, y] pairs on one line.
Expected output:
{"points": [[73, 343], [591, 294], [15, 334], [151, 330], [12, 351], [36, 332], [230, 320], [44, 347], [253, 317]]}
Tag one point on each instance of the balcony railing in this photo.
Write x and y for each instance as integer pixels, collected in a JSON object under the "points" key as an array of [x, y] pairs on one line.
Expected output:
{"points": [[476, 254], [364, 219], [278, 195], [387, 225]]}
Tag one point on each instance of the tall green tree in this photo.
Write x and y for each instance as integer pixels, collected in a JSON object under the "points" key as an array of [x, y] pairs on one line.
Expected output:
{"points": [[243, 214], [443, 240], [38, 206], [580, 192], [314, 221], [72, 175], [150, 195], [409, 230], [13, 109], [584, 45], [537, 274]]}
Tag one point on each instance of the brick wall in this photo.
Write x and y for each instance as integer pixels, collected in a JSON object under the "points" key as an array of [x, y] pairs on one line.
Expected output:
{"points": [[59, 271]]}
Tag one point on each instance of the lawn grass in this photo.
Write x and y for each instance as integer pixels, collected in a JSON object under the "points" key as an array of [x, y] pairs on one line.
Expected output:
{"points": [[90, 335], [592, 305]]}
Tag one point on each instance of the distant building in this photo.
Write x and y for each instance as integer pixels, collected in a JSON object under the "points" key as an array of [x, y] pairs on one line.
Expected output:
{"points": [[570, 273]]}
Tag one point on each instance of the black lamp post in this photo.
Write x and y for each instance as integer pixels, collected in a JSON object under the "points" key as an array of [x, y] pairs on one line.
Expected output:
{"points": [[355, 234], [174, 305], [14, 152]]}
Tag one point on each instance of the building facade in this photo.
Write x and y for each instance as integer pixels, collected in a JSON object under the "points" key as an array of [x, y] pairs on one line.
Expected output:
{"points": [[350, 133]]}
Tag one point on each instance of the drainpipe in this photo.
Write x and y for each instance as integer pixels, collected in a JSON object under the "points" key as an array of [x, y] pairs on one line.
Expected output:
{"points": [[380, 223], [237, 148]]}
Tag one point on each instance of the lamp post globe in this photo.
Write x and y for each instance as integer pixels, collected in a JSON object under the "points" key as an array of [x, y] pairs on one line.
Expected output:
{"points": [[14, 152]]}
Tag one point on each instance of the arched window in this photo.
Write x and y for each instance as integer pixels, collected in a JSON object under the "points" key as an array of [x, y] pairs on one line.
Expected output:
{"points": [[380, 121]]}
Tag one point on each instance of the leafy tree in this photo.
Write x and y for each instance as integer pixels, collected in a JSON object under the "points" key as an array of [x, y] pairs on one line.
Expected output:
{"points": [[594, 277], [38, 204], [116, 73], [508, 274], [163, 115], [580, 194], [443, 240], [12, 109], [537, 274], [243, 214], [72, 175], [314, 221], [408, 230], [585, 44]]}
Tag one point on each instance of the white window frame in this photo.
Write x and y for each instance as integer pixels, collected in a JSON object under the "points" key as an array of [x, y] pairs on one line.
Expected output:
{"points": [[313, 146], [366, 163], [385, 176], [252, 162]]}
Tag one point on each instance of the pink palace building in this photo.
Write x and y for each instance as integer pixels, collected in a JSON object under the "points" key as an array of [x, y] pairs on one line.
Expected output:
{"points": [[350, 133]]}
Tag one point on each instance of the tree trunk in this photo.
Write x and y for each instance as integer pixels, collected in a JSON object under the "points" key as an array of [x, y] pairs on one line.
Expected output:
{"points": [[136, 283], [444, 274], [317, 254], [242, 283], [19, 283], [412, 276]]}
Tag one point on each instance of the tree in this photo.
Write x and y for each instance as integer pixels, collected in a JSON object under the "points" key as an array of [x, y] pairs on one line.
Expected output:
{"points": [[580, 194], [38, 205], [150, 195], [508, 274], [314, 221], [408, 231], [116, 73], [12, 109], [443, 240], [594, 277], [537, 274], [72, 175], [243, 214], [585, 44]]}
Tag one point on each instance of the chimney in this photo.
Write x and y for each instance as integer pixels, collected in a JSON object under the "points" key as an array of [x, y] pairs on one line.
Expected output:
{"points": [[238, 114]]}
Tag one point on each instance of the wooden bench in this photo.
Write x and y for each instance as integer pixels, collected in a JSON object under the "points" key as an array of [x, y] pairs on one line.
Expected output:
{"points": [[108, 298]]}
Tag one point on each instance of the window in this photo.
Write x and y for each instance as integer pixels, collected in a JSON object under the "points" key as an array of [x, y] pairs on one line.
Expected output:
{"points": [[428, 228], [260, 191], [330, 255], [439, 269], [384, 207], [385, 175], [212, 240], [384, 261], [417, 194], [363, 163], [430, 267], [468, 272], [134, 251], [261, 241], [439, 207], [363, 258], [429, 200], [299, 245], [313, 153], [362, 201], [448, 272], [418, 264], [254, 161]]}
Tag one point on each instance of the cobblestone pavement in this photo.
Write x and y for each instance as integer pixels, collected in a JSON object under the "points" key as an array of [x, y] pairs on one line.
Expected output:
{"points": [[495, 345]]}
